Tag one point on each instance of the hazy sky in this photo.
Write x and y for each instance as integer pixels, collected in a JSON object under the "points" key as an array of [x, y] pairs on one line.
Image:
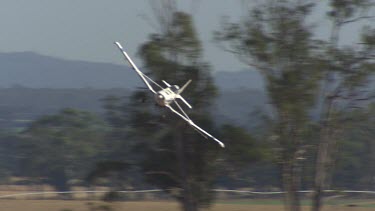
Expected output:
{"points": [[86, 29]]}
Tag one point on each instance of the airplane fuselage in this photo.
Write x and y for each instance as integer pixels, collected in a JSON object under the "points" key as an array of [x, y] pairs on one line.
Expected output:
{"points": [[165, 96]]}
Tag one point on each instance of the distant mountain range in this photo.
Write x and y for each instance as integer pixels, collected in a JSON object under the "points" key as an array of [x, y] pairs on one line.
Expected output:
{"points": [[27, 69], [32, 85], [37, 71]]}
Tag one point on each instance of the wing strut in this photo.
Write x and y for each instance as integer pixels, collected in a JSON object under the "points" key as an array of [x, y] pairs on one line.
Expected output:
{"points": [[191, 123], [183, 112], [135, 68]]}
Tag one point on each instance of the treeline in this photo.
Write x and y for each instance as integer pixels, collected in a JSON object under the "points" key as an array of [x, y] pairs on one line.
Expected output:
{"points": [[21, 105], [318, 134], [85, 147]]}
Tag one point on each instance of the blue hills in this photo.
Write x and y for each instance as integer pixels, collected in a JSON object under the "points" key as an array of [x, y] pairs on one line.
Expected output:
{"points": [[32, 85], [32, 70]]}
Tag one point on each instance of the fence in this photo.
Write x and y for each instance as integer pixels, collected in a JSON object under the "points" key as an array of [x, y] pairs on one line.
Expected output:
{"points": [[159, 194]]}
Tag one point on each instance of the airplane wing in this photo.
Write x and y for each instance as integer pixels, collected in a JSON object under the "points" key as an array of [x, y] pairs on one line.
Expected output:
{"points": [[141, 75], [191, 123]]}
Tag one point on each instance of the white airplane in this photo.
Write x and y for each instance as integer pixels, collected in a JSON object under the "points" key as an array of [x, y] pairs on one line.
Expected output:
{"points": [[167, 96]]}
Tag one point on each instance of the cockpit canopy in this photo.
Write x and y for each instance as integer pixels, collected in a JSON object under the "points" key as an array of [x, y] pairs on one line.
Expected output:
{"points": [[175, 88]]}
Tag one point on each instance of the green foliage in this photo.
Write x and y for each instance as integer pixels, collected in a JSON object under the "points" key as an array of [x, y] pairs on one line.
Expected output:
{"points": [[242, 148], [60, 147], [342, 10], [276, 40], [352, 64], [368, 38], [105, 169], [247, 161], [8, 146], [173, 156], [355, 167]]}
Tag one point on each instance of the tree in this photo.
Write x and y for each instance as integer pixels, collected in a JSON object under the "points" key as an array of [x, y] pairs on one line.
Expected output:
{"points": [[173, 156], [8, 146], [58, 148], [119, 163], [343, 85], [355, 164], [276, 40], [243, 156]]}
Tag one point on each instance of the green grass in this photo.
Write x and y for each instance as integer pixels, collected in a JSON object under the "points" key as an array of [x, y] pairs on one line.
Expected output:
{"points": [[233, 205], [357, 203], [252, 202], [368, 205]]}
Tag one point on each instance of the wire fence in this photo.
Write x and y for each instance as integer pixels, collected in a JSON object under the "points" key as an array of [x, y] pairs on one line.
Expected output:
{"points": [[159, 193]]}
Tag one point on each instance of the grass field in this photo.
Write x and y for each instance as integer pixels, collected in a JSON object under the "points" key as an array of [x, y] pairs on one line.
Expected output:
{"points": [[48, 202], [68, 205]]}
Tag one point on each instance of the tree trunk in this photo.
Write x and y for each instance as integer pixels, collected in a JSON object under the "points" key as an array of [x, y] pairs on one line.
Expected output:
{"points": [[324, 162], [372, 163], [323, 157], [320, 176], [187, 197], [291, 185]]}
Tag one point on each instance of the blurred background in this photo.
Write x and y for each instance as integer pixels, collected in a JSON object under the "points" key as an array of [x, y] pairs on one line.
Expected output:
{"points": [[288, 86]]}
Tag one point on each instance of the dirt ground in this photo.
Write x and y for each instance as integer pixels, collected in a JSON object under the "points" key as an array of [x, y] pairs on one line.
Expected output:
{"points": [[67, 205]]}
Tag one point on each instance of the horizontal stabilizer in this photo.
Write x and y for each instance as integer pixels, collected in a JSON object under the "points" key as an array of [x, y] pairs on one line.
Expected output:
{"points": [[183, 100], [167, 84]]}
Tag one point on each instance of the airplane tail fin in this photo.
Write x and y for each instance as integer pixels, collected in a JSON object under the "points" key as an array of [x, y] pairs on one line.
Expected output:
{"points": [[184, 87], [181, 90]]}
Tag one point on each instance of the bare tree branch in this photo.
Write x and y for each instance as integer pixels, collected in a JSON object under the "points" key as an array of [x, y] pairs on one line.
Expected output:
{"points": [[356, 19]]}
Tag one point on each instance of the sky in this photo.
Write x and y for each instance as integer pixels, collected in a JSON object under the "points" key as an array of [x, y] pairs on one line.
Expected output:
{"points": [[86, 29]]}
